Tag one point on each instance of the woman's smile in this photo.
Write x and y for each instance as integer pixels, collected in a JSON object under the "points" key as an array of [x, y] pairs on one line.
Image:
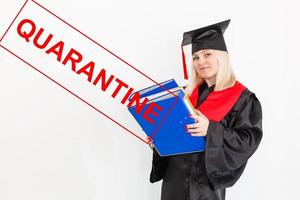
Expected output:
{"points": [[202, 68]]}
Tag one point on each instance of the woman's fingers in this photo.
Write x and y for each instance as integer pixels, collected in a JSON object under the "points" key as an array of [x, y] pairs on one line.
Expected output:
{"points": [[197, 134], [196, 117], [202, 124], [195, 130], [199, 113], [150, 143], [195, 125], [199, 131]]}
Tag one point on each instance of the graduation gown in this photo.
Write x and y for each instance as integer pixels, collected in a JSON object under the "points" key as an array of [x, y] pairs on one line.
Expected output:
{"points": [[230, 142]]}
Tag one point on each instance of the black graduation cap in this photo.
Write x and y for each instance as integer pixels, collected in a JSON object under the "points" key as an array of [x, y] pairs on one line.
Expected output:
{"points": [[209, 37]]}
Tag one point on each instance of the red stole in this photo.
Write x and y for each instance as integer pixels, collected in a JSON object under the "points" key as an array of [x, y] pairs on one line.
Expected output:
{"points": [[218, 103]]}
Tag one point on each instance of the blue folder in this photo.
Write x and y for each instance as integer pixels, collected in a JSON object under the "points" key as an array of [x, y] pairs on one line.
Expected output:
{"points": [[170, 136]]}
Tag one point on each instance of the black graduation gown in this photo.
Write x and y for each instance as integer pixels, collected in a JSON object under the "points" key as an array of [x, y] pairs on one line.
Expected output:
{"points": [[229, 145]]}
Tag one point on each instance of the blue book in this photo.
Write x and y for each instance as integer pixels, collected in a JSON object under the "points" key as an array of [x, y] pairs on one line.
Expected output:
{"points": [[169, 133], [158, 88]]}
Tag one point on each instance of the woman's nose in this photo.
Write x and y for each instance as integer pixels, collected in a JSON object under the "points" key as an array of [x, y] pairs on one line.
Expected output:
{"points": [[201, 61]]}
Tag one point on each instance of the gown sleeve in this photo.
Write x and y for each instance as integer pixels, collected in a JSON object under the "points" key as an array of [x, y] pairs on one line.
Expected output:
{"points": [[159, 165], [229, 148]]}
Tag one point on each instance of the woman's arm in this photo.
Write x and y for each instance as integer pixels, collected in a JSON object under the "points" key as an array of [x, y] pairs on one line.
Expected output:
{"points": [[159, 166], [228, 149]]}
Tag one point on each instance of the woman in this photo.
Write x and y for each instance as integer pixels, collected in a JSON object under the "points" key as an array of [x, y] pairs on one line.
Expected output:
{"points": [[228, 115]]}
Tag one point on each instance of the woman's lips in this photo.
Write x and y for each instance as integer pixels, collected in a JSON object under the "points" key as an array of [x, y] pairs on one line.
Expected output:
{"points": [[204, 68]]}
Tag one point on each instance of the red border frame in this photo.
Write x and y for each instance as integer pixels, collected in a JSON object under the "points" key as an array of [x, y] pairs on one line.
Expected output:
{"points": [[5, 48]]}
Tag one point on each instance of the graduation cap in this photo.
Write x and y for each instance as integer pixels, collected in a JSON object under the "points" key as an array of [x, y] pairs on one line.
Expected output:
{"points": [[209, 37]]}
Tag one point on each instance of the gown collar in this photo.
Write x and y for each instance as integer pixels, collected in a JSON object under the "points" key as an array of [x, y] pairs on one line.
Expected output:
{"points": [[215, 105]]}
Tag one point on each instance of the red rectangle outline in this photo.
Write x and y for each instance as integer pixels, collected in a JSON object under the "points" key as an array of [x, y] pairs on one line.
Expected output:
{"points": [[159, 125]]}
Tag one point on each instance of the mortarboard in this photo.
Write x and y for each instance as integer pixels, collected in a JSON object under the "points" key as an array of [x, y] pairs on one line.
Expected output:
{"points": [[209, 37]]}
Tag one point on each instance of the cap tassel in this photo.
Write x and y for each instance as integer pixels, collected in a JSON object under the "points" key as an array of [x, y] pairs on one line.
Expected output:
{"points": [[186, 77]]}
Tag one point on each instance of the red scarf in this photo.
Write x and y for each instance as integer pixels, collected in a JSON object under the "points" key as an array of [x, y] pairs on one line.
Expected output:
{"points": [[218, 103]]}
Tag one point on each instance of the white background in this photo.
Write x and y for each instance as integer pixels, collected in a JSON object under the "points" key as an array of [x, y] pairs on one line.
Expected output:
{"points": [[53, 146]]}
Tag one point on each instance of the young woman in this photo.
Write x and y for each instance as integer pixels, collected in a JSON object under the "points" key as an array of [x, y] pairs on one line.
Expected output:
{"points": [[228, 115]]}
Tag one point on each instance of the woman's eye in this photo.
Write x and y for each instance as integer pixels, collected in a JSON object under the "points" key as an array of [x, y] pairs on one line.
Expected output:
{"points": [[195, 58], [207, 54]]}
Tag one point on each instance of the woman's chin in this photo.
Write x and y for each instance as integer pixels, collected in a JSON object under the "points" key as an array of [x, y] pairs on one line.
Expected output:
{"points": [[206, 76]]}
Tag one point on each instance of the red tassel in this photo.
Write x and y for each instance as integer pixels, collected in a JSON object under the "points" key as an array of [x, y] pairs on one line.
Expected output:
{"points": [[185, 73]]}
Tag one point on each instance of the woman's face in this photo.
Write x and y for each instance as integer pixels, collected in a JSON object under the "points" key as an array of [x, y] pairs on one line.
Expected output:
{"points": [[206, 64]]}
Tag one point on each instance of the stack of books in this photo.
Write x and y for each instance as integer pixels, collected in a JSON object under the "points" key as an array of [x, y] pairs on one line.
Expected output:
{"points": [[168, 133]]}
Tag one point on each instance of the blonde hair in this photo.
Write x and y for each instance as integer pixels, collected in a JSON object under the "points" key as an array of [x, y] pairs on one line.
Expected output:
{"points": [[225, 77]]}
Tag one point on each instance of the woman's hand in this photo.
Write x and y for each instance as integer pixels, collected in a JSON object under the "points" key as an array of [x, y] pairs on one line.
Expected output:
{"points": [[200, 127], [151, 145]]}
